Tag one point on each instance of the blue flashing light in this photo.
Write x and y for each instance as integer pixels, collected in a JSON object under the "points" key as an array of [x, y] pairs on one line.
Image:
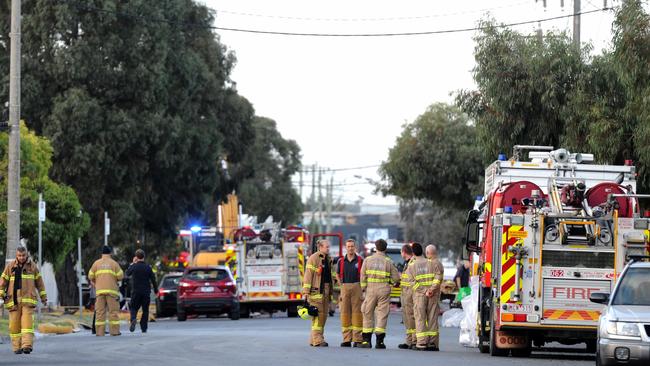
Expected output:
{"points": [[479, 198], [502, 157], [507, 209], [195, 229]]}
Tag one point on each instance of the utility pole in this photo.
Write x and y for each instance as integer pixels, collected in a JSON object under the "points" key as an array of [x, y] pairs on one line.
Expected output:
{"points": [[301, 185], [79, 269], [320, 199], [312, 199], [41, 219], [107, 228], [330, 188], [576, 23], [13, 184]]}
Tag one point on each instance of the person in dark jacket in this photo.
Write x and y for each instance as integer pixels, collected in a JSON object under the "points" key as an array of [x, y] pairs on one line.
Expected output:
{"points": [[142, 278]]}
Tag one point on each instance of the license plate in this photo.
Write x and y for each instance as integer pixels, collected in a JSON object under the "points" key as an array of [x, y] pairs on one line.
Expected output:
{"points": [[207, 289], [517, 308]]}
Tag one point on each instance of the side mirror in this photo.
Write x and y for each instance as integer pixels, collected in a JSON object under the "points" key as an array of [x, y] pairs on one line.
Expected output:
{"points": [[599, 297], [472, 232]]}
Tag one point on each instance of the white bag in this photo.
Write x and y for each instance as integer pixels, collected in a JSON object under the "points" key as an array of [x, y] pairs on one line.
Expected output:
{"points": [[468, 336]]}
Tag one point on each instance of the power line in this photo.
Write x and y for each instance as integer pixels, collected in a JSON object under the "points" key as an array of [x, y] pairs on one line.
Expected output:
{"points": [[309, 34], [374, 19], [327, 170]]}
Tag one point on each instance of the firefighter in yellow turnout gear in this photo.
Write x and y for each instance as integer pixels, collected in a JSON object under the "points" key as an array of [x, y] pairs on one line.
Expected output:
{"points": [[104, 275], [20, 286], [406, 299], [317, 288], [427, 276], [349, 272], [377, 275]]}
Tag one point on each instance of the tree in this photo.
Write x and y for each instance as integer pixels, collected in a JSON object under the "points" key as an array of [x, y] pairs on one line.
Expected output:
{"points": [[524, 83], [436, 158], [274, 161], [135, 98], [65, 220]]}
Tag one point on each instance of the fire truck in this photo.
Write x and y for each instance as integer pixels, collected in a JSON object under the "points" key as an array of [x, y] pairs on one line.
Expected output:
{"points": [[549, 232], [268, 264]]}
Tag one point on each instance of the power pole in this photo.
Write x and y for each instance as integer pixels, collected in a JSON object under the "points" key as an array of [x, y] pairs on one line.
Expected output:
{"points": [[330, 188], [576, 23], [312, 200], [320, 199], [13, 185]]}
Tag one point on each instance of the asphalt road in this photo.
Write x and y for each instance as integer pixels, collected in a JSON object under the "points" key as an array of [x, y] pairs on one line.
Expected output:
{"points": [[258, 341]]}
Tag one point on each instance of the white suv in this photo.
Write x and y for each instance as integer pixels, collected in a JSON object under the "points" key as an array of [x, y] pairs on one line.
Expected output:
{"points": [[624, 327]]}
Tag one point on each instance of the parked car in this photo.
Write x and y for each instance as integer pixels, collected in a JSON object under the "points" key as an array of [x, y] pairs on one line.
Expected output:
{"points": [[624, 327], [166, 296], [207, 290]]}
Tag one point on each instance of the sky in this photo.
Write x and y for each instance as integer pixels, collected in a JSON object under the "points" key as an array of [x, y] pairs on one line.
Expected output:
{"points": [[345, 99]]}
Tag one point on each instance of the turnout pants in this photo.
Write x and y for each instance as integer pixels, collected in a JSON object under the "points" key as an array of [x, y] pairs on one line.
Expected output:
{"points": [[350, 308], [322, 302], [104, 304], [408, 316], [434, 338], [426, 318], [21, 327], [140, 301], [375, 309]]}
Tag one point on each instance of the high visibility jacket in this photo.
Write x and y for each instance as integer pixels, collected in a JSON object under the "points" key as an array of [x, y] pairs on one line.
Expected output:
{"points": [[378, 271], [406, 283], [313, 280], [31, 285], [425, 274], [105, 272]]}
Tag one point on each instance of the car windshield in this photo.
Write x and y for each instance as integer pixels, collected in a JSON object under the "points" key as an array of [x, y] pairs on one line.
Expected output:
{"points": [[171, 282], [207, 274], [634, 288], [396, 257]]}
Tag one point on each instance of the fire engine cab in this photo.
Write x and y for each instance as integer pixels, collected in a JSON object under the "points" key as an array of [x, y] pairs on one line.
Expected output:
{"points": [[548, 233]]}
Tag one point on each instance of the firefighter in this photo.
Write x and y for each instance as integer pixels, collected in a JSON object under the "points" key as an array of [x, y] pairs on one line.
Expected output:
{"points": [[423, 275], [406, 299], [20, 285], [105, 274], [349, 272], [377, 275], [317, 289], [434, 294]]}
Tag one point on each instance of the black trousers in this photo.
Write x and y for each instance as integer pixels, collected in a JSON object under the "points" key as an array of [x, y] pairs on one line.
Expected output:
{"points": [[140, 300]]}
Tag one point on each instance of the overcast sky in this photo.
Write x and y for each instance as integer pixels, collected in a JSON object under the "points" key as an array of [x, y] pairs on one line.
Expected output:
{"points": [[344, 99]]}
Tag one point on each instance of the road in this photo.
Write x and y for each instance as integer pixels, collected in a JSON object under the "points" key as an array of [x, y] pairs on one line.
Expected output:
{"points": [[259, 341]]}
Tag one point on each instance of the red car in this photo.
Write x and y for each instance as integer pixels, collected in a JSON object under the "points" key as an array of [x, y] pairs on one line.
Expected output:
{"points": [[207, 290]]}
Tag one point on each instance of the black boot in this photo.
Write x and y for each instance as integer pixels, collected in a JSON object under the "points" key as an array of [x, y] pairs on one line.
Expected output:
{"points": [[404, 346], [380, 341], [367, 340], [346, 344]]}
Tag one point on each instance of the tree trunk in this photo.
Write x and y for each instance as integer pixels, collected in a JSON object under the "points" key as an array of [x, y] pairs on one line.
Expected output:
{"points": [[66, 281]]}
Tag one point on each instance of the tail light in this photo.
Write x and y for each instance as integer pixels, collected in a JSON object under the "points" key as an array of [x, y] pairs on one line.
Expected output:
{"points": [[228, 285], [184, 286]]}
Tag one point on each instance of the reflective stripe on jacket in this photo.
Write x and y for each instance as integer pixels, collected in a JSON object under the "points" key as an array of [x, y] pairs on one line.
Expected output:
{"points": [[425, 274], [313, 274], [378, 270], [31, 286], [105, 272]]}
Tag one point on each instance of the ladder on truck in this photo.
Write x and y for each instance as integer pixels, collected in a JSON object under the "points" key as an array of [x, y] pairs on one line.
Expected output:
{"points": [[575, 224]]}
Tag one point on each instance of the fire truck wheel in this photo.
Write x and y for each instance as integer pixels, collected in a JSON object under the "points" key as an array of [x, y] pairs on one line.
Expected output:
{"points": [[494, 350]]}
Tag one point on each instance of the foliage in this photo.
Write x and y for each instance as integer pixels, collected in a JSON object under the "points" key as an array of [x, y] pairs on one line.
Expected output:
{"points": [[435, 158], [140, 112], [64, 219], [269, 190]]}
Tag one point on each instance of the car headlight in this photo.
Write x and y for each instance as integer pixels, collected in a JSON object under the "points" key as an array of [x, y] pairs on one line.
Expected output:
{"points": [[623, 329]]}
